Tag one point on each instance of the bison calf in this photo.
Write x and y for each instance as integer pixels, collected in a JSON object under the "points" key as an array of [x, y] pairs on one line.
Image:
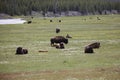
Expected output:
{"points": [[60, 46]]}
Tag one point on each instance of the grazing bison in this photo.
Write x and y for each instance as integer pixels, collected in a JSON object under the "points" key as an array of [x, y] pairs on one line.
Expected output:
{"points": [[88, 49], [57, 30], [95, 45], [58, 39], [20, 50]]}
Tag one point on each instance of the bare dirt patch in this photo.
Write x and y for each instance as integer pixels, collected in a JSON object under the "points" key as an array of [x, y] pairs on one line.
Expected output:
{"points": [[111, 73]]}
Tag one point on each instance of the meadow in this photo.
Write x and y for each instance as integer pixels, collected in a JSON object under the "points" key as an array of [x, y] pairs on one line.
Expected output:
{"points": [[70, 63]]}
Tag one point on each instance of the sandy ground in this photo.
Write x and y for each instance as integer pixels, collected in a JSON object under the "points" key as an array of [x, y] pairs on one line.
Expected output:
{"points": [[12, 21]]}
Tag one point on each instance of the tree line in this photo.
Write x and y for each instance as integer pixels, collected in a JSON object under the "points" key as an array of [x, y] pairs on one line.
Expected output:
{"points": [[25, 7]]}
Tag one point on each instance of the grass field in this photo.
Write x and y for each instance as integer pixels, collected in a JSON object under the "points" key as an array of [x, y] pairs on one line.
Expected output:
{"points": [[61, 64]]}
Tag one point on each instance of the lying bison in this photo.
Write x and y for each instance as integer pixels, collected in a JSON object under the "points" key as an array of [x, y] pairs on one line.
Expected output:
{"points": [[95, 45], [29, 22], [88, 49], [20, 50], [59, 45], [25, 51], [58, 39]]}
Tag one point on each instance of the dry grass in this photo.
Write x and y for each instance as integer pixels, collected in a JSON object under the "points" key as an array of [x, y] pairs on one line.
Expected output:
{"points": [[67, 64], [111, 73]]}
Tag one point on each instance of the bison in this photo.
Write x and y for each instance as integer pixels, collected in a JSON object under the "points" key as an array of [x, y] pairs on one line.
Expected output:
{"points": [[59, 45], [20, 50], [25, 51], [58, 39], [95, 45], [51, 21], [29, 22], [88, 49], [57, 30], [59, 20]]}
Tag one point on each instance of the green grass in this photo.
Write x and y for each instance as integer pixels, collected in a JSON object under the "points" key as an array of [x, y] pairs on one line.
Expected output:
{"points": [[67, 64]]}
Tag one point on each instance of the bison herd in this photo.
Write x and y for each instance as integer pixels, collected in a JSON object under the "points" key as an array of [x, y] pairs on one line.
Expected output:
{"points": [[59, 41]]}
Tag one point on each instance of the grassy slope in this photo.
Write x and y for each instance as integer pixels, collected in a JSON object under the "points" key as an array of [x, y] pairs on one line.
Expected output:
{"points": [[68, 64]]}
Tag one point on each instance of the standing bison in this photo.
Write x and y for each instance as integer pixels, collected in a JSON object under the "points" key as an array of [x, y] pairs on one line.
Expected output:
{"points": [[58, 39]]}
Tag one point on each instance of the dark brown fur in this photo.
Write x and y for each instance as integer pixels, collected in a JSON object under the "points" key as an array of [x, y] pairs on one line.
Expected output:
{"points": [[58, 39], [29, 22], [95, 45], [20, 50], [88, 49], [51, 21], [57, 30], [25, 51]]}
